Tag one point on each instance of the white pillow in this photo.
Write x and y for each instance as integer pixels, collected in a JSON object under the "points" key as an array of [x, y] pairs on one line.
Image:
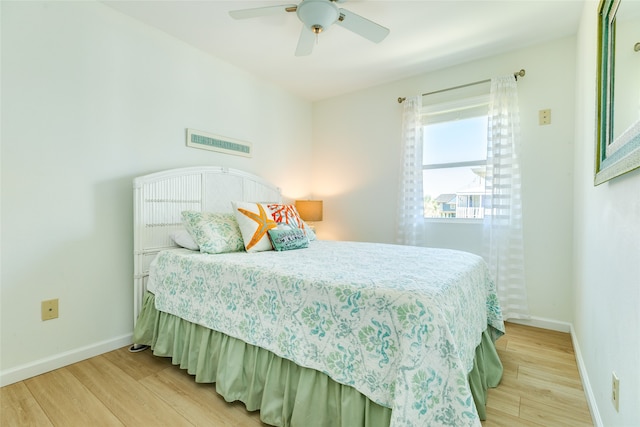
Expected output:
{"points": [[255, 221], [183, 239]]}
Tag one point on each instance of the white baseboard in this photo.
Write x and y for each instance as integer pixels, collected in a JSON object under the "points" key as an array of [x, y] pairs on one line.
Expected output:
{"points": [[28, 370], [586, 385], [541, 322], [559, 326]]}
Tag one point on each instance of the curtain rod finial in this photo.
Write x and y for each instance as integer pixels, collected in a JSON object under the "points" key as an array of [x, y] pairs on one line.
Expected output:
{"points": [[401, 99], [520, 73]]}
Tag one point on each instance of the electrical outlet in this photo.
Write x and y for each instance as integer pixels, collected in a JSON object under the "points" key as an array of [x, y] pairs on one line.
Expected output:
{"points": [[50, 309], [615, 391], [544, 117]]}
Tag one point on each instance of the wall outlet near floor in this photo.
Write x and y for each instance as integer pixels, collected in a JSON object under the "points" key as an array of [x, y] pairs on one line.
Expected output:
{"points": [[50, 309], [615, 391]]}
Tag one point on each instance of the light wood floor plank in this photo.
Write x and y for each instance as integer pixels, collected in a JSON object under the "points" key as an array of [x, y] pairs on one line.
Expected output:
{"points": [[542, 413], [535, 388], [138, 367], [503, 401], [515, 359], [67, 402], [496, 418], [540, 388], [555, 356], [133, 405], [19, 408], [553, 377]]}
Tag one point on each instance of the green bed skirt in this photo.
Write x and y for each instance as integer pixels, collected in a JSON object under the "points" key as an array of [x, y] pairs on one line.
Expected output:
{"points": [[285, 393]]}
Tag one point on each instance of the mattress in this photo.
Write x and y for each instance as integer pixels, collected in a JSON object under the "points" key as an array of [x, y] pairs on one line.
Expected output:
{"points": [[399, 324]]}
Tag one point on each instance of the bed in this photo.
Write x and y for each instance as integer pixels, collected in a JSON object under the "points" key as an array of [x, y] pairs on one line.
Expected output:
{"points": [[334, 334]]}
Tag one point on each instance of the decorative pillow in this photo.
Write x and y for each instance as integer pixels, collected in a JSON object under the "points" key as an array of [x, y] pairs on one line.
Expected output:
{"points": [[214, 233], [255, 221], [286, 239], [311, 235], [288, 214], [183, 239]]}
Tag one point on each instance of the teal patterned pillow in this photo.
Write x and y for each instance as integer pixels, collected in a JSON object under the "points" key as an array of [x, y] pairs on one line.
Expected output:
{"points": [[288, 239], [215, 233]]}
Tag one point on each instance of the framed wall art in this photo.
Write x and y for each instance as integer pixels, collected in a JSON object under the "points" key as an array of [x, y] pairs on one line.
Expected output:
{"points": [[618, 95], [222, 144]]}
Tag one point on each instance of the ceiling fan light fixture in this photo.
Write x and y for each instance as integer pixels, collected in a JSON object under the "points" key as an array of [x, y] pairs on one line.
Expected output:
{"points": [[317, 15]]}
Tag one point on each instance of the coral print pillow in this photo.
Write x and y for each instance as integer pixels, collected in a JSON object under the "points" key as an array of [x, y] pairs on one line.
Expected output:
{"points": [[288, 214], [255, 221]]}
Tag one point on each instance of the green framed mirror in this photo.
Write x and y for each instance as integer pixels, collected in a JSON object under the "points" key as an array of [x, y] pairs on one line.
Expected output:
{"points": [[618, 104]]}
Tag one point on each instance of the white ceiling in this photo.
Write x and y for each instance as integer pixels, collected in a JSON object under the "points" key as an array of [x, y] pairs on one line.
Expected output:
{"points": [[425, 35]]}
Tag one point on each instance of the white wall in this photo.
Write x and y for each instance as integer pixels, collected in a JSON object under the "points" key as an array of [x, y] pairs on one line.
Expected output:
{"points": [[91, 99], [606, 250], [356, 153]]}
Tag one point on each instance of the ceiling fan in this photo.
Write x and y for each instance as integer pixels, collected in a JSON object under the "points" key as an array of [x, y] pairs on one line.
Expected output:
{"points": [[317, 16]]}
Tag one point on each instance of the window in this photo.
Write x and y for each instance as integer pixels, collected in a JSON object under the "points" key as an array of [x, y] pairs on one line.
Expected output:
{"points": [[455, 158]]}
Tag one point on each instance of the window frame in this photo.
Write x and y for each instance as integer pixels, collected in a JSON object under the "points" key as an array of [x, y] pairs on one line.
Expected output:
{"points": [[463, 107]]}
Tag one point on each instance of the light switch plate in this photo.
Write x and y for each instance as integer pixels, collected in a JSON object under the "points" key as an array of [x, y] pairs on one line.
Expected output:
{"points": [[544, 117]]}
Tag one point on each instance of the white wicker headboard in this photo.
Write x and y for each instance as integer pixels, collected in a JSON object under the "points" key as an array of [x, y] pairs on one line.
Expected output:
{"points": [[159, 199]]}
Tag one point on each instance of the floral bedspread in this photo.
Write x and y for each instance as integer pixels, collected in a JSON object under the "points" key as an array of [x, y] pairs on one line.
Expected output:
{"points": [[398, 323]]}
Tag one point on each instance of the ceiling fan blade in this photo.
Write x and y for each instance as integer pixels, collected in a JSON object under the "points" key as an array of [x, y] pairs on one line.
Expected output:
{"points": [[362, 26], [305, 42], [262, 11]]}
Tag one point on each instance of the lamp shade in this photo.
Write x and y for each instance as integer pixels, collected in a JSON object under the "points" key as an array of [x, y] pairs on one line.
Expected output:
{"points": [[310, 210]]}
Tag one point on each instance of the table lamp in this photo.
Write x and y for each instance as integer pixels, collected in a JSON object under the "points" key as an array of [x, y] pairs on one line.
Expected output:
{"points": [[310, 211]]}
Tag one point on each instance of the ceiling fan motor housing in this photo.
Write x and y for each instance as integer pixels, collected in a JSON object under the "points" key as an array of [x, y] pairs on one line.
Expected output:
{"points": [[317, 15]]}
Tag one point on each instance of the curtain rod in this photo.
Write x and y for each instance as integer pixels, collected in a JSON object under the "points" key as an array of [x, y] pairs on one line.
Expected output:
{"points": [[517, 74]]}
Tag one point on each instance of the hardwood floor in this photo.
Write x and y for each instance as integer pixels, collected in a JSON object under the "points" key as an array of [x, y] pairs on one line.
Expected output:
{"points": [[540, 387]]}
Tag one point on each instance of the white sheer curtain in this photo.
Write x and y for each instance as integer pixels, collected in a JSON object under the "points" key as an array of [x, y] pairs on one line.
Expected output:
{"points": [[503, 243], [411, 199]]}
